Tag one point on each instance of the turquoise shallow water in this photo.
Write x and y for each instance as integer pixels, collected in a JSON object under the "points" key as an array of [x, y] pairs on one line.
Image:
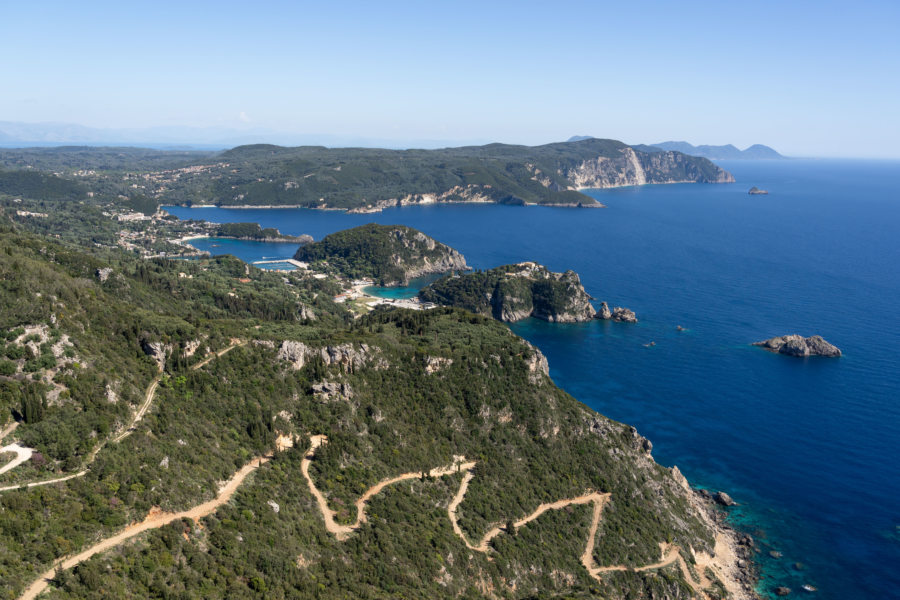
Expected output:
{"points": [[808, 447]]}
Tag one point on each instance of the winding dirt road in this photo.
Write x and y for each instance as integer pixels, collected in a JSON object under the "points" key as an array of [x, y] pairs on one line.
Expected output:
{"points": [[22, 455], [138, 415], [670, 554], [154, 520]]}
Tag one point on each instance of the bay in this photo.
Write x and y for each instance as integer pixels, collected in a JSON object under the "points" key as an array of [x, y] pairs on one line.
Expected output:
{"points": [[808, 447]]}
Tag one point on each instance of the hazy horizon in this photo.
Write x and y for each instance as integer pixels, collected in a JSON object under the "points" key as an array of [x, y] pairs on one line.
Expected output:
{"points": [[810, 80]]}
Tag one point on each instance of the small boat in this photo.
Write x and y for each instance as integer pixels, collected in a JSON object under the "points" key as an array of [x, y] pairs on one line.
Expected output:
{"points": [[650, 345], [809, 588], [680, 328]]}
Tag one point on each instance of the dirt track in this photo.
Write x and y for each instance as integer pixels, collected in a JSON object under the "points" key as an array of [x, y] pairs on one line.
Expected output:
{"points": [[138, 415], [670, 554], [154, 520]]}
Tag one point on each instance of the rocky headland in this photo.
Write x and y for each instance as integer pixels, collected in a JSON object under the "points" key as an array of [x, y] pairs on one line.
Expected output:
{"points": [[387, 254], [515, 292], [797, 345]]}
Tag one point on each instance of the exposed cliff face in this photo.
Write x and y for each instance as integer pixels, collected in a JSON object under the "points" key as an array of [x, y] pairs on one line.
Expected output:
{"points": [[640, 168], [458, 193], [515, 292], [349, 357], [437, 257]]}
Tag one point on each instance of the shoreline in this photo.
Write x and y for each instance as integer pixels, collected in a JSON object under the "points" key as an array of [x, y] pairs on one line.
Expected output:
{"points": [[361, 210], [399, 204]]}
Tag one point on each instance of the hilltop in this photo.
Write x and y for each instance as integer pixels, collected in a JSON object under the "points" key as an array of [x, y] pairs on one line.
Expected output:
{"points": [[388, 254]]}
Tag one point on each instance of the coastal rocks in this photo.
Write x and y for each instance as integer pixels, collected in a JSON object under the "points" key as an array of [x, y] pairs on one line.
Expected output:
{"points": [[639, 442], [797, 345], [624, 315], [618, 314], [782, 591], [604, 312], [723, 499]]}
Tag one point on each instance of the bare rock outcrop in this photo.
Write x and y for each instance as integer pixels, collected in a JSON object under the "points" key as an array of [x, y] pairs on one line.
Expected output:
{"points": [[158, 351], [329, 391], [619, 314], [347, 356], [537, 364], [797, 345]]}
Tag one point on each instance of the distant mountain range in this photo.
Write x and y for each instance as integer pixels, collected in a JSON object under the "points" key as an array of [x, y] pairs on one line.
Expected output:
{"points": [[15, 134], [754, 152], [727, 152]]}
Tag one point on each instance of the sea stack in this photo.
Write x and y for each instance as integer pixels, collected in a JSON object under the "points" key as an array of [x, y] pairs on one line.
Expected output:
{"points": [[797, 345], [620, 314]]}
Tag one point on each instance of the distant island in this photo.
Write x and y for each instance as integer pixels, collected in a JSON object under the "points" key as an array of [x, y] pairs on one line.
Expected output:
{"points": [[253, 232], [355, 179], [727, 152]]}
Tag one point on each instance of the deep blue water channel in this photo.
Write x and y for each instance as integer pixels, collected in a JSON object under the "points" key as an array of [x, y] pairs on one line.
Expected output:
{"points": [[808, 447]]}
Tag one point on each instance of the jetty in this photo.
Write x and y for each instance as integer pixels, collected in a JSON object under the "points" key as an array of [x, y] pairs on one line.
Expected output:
{"points": [[288, 261]]}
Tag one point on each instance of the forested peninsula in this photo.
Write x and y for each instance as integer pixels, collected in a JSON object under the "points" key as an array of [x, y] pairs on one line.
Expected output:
{"points": [[357, 179]]}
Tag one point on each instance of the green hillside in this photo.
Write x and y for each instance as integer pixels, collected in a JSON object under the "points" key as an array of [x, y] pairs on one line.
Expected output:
{"points": [[144, 384]]}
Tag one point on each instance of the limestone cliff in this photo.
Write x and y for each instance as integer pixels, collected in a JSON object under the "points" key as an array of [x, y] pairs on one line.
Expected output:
{"points": [[515, 292], [639, 168]]}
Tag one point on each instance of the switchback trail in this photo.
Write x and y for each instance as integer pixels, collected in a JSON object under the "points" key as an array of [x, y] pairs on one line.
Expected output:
{"points": [[138, 415], [22, 454], [670, 554], [154, 520]]}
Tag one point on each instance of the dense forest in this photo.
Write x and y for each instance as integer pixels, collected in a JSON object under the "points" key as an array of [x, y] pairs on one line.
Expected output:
{"points": [[91, 336], [387, 254]]}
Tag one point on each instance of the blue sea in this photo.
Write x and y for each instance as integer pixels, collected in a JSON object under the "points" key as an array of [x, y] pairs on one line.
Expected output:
{"points": [[810, 448]]}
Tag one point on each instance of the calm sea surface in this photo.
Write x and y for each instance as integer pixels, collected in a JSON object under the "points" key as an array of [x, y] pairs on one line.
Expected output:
{"points": [[810, 448]]}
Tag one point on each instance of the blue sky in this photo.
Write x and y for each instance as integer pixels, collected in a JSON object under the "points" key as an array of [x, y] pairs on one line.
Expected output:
{"points": [[809, 78]]}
